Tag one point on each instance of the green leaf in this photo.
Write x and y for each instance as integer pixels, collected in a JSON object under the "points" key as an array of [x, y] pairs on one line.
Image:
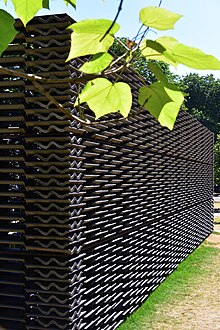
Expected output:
{"points": [[190, 56], [163, 101], [98, 63], [27, 9], [104, 97], [158, 18], [70, 2], [155, 51], [7, 30], [85, 39], [169, 50], [157, 72]]}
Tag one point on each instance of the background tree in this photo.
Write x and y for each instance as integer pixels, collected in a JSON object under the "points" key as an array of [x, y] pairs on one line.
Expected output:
{"points": [[140, 63], [203, 99], [203, 102]]}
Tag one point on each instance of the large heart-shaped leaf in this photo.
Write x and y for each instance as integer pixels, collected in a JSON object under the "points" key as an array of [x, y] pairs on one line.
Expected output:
{"points": [[104, 97], [98, 63], [155, 51], [155, 69], [190, 56], [87, 37], [169, 50], [7, 30], [26, 9], [163, 101], [158, 18]]}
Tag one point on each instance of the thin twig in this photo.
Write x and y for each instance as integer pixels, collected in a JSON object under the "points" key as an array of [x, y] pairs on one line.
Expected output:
{"points": [[117, 60], [138, 33], [66, 112], [34, 81], [143, 35], [20, 74], [123, 45], [57, 104], [160, 3], [114, 21], [32, 77], [115, 70]]}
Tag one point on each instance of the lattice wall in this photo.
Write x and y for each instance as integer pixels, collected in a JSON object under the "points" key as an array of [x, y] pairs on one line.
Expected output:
{"points": [[91, 219]]}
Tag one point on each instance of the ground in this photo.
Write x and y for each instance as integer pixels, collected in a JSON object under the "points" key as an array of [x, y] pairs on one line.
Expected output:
{"points": [[189, 299], [199, 308], [215, 237]]}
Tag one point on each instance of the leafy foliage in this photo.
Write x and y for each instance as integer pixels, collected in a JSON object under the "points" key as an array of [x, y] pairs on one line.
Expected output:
{"points": [[27, 9], [203, 102], [94, 37], [7, 30], [169, 50], [158, 18], [203, 99], [98, 63], [163, 101], [154, 50], [141, 64], [104, 97], [87, 35]]}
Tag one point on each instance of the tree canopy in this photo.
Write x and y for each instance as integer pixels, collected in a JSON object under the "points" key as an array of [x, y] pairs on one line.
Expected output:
{"points": [[203, 102], [203, 99]]}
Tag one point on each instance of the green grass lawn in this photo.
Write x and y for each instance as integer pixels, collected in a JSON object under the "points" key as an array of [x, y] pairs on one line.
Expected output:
{"points": [[173, 290]]}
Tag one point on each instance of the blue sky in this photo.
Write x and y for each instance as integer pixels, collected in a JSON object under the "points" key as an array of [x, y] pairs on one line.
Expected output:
{"points": [[199, 26]]}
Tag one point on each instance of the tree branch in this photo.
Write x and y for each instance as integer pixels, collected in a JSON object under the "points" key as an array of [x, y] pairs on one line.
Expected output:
{"points": [[57, 104], [114, 21], [33, 79], [16, 73], [36, 80]]}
